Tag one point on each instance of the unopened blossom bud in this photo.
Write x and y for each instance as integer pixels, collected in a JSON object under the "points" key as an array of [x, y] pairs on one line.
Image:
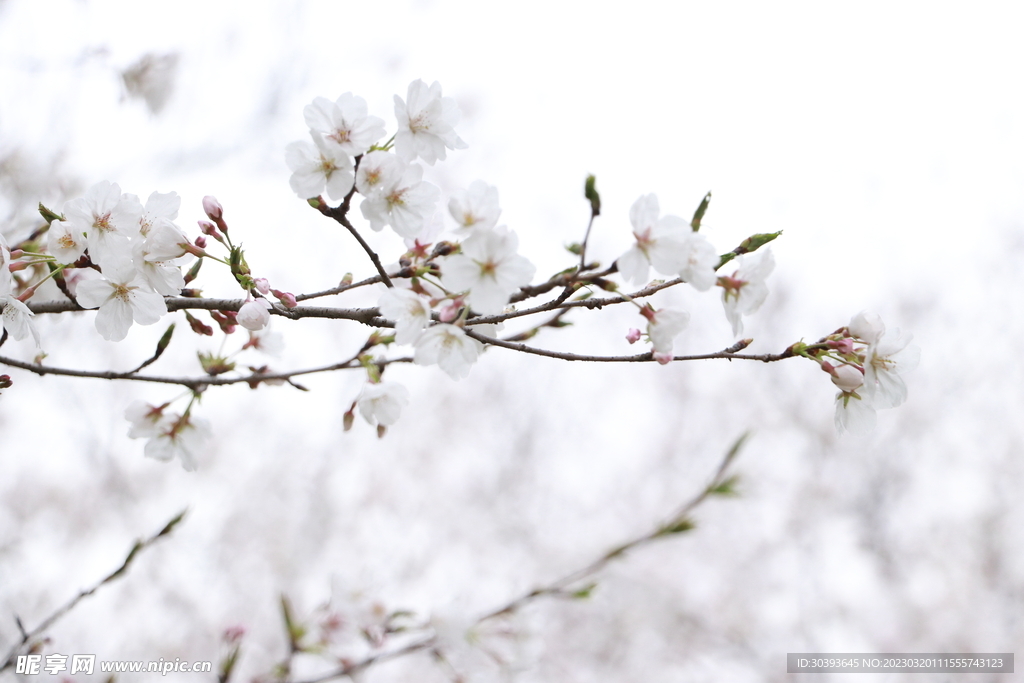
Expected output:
{"points": [[663, 358], [287, 299], [633, 336], [213, 208], [198, 326], [848, 378], [262, 285], [226, 319], [208, 228], [254, 315], [349, 418], [233, 634], [5, 382], [844, 346], [201, 242], [450, 311], [381, 431]]}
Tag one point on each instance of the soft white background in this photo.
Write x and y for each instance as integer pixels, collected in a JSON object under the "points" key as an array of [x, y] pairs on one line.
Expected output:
{"points": [[884, 139]]}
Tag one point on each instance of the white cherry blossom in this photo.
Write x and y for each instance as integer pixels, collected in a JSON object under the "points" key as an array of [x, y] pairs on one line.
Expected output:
{"points": [[409, 310], [659, 242], [426, 123], [663, 327], [854, 414], [378, 171], [16, 318], [489, 268], [159, 205], [317, 166], [699, 259], [344, 124], [884, 360], [65, 241], [449, 347], [107, 218], [178, 436], [382, 403], [867, 326], [404, 204], [163, 277], [122, 296], [165, 242], [147, 420], [475, 207], [745, 290]]}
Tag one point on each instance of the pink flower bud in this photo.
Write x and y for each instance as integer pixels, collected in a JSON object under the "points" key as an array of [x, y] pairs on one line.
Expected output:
{"points": [[213, 208], [286, 298], [201, 242], [450, 310], [844, 346], [262, 285], [633, 336], [663, 358], [208, 228]]}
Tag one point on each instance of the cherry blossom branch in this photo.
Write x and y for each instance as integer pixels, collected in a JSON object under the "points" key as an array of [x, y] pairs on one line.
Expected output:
{"points": [[679, 522], [353, 668], [729, 353], [340, 214], [194, 383], [27, 636]]}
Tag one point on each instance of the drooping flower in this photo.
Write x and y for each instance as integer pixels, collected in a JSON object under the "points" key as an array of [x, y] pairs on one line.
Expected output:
{"points": [[426, 123], [146, 419], [409, 310], [344, 124], [254, 315], [122, 296], [854, 414], [745, 290], [16, 318], [663, 326], [659, 242], [884, 360], [318, 165], [475, 207], [107, 218], [404, 204], [178, 436], [449, 347], [489, 268], [382, 403]]}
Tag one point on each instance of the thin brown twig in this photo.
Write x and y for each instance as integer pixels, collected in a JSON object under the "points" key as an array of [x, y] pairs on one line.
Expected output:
{"points": [[27, 636], [678, 522]]}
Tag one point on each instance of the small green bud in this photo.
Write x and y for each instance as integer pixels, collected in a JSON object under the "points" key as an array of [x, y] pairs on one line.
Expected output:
{"points": [[590, 192], [698, 215]]}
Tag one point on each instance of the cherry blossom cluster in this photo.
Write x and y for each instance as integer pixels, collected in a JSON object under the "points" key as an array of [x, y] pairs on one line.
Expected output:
{"points": [[442, 301], [866, 363]]}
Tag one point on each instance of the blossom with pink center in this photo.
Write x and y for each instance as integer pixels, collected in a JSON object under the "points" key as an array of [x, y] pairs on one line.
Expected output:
{"points": [[107, 218], [476, 207], [409, 310], [396, 196], [317, 166], [660, 241], [489, 268], [449, 347], [122, 296], [426, 123], [344, 123], [745, 290]]}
